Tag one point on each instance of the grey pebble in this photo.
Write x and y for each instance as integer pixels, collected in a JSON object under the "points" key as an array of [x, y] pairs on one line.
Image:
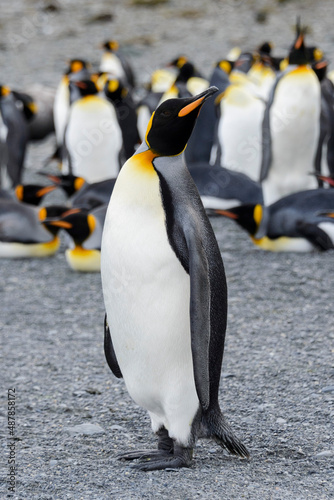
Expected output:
{"points": [[85, 429], [280, 421], [278, 346], [325, 454], [328, 388], [117, 428]]}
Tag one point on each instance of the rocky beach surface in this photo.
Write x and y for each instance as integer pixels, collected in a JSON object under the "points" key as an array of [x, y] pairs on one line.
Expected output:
{"points": [[72, 416]]}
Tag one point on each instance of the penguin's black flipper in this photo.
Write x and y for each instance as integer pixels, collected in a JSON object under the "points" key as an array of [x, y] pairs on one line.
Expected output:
{"points": [[109, 351], [266, 135], [199, 315], [315, 235]]}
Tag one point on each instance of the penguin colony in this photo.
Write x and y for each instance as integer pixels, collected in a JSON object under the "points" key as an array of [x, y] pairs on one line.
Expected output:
{"points": [[142, 170]]}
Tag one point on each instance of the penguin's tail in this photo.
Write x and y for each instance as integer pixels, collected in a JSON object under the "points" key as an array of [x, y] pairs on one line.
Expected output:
{"points": [[215, 426]]}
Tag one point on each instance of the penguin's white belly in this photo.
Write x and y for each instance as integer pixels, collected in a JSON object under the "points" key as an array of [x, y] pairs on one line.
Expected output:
{"points": [[143, 117], [111, 64], [295, 127], [147, 296], [61, 108], [93, 139], [284, 244], [240, 135], [220, 203], [3, 130], [328, 228]]}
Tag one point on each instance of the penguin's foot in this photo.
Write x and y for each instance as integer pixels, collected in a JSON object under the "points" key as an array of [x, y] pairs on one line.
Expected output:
{"points": [[165, 448], [159, 460], [141, 454], [217, 428], [168, 455]]}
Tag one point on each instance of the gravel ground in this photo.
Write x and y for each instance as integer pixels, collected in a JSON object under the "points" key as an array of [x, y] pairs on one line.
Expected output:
{"points": [[278, 374]]}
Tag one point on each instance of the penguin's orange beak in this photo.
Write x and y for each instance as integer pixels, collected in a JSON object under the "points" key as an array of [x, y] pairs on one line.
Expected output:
{"points": [[45, 190], [197, 101], [299, 41], [226, 213], [60, 223]]}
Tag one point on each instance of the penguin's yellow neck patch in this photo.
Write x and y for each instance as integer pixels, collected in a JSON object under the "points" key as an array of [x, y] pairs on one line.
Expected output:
{"points": [[143, 162], [83, 260], [301, 70]]}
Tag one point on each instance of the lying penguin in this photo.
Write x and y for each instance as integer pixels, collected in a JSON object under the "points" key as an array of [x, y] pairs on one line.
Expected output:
{"points": [[300, 222]]}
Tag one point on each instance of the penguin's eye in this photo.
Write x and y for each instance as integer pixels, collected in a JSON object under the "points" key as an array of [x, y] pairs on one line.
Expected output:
{"points": [[166, 113]]}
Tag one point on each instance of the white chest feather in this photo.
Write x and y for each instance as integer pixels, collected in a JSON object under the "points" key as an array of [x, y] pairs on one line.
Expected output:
{"points": [[239, 131], [61, 109], [295, 127], [111, 64], [93, 139]]}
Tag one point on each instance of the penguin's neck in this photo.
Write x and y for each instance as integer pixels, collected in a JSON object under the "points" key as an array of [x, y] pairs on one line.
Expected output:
{"points": [[138, 182], [143, 159]]}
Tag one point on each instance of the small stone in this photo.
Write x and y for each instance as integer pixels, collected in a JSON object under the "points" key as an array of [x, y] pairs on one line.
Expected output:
{"points": [[280, 421], [325, 454], [53, 463], [92, 390], [85, 429], [117, 428], [328, 388]]}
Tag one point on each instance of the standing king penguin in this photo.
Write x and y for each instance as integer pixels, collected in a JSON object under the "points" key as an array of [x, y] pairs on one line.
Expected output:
{"points": [[165, 293], [291, 128]]}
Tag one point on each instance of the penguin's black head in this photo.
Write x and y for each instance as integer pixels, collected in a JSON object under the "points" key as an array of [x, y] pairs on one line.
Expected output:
{"points": [[298, 53], [249, 217], [85, 87], [32, 193], [172, 123], [186, 71], [320, 69], [77, 223], [115, 90], [178, 62], [45, 213], [110, 45], [265, 48], [68, 182]]}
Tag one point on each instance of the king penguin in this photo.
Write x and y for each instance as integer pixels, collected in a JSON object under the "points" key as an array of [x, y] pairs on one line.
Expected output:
{"points": [[93, 136], [299, 222], [13, 139], [84, 230], [76, 71], [165, 293], [291, 128], [115, 64], [23, 231]]}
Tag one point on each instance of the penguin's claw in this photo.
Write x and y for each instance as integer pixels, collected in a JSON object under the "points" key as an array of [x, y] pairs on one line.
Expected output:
{"points": [[142, 454], [158, 460]]}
